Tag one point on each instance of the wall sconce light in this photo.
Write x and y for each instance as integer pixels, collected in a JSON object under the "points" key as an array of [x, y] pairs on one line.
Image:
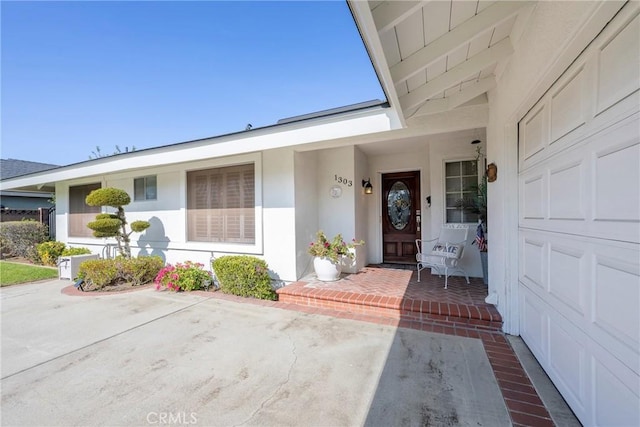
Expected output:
{"points": [[492, 172], [368, 188]]}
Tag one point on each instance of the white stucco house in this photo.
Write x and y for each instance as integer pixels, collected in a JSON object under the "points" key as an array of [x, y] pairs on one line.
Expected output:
{"points": [[552, 91]]}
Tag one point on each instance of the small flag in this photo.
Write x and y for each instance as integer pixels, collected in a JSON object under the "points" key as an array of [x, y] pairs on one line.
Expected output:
{"points": [[480, 240]]}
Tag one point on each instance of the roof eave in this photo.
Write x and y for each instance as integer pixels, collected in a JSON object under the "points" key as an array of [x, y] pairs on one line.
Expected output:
{"points": [[352, 123], [363, 19]]}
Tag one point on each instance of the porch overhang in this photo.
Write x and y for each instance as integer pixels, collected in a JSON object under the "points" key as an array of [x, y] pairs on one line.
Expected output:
{"points": [[439, 58]]}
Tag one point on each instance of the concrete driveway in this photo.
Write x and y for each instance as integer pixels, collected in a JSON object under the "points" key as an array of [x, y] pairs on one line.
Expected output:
{"points": [[158, 358]]}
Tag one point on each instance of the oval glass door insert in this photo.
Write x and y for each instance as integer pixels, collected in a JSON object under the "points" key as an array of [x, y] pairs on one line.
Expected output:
{"points": [[399, 205]]}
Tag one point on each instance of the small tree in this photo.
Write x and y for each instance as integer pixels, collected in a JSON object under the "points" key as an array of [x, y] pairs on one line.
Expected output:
{"points": [[114, 225], [97, 153]]}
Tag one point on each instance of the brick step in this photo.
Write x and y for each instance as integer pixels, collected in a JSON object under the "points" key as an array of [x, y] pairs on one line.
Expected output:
{"points": [[432, 312]]}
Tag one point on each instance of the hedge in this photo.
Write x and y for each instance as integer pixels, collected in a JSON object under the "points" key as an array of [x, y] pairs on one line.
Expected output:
{"points": [[101, 273], [19, 238], [245, 276]]}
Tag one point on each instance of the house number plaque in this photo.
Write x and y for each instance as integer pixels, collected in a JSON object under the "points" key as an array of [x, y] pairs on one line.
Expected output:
{"points": [[343, 180]]}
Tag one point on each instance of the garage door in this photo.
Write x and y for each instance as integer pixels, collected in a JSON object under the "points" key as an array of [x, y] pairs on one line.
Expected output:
{"points": [[579, 227]]}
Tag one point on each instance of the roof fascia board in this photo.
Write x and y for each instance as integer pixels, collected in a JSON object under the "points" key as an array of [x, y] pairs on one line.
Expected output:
{"points": [[44, 195], [369, 34], [291, 134], [462, 118]]}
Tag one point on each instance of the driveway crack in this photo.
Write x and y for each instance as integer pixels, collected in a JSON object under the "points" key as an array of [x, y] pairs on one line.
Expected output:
{"points": [[275, 392]]}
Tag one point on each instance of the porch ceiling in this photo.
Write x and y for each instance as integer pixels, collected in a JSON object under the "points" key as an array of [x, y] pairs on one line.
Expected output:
{"points": [[444, 55], [415, 144]]}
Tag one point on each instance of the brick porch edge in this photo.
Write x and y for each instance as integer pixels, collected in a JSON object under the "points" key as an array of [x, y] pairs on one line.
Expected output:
{"points": [[451, 314]]}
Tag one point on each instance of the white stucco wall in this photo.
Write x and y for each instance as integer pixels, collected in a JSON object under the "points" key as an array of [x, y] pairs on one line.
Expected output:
{"points": [[548, 45], [279, 215], [306, 199], [336, 214], [293, 202], [361, 171], [275, 213]]}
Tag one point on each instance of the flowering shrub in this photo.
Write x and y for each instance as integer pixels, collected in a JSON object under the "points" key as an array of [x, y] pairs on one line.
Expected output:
{"points": [[334, 249], [182, 277]]}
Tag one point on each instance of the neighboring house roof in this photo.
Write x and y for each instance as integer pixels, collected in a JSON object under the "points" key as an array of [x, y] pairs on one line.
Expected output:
{"points": [[10, 168]]}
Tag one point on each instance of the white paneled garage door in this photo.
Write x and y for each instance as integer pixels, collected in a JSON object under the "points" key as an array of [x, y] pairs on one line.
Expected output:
{"points": [[579, 228]]}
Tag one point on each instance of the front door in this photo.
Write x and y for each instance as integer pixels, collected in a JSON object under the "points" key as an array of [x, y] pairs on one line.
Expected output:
{"points": [[400, 216]]}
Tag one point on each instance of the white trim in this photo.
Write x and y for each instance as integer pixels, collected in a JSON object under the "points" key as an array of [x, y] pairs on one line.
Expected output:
{"points": [[446, 160], [511, 309], [364, 21], [10, 193]]}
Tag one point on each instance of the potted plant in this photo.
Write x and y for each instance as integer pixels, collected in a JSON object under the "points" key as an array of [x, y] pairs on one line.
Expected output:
{"points": [[328, 255]]}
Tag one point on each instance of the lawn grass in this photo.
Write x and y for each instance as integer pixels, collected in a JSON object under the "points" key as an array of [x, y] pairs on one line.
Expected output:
{"points": [[12, 273]]}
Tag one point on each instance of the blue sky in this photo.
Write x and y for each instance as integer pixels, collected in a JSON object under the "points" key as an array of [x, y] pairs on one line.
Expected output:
{"points": [[76, 75]]}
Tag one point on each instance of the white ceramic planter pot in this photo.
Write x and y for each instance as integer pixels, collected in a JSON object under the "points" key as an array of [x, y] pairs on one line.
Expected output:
{"points": [[327, 270]]}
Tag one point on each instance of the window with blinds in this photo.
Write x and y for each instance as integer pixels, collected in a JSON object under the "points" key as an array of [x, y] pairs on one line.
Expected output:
{"points": [[80, 214], [221, 205]]}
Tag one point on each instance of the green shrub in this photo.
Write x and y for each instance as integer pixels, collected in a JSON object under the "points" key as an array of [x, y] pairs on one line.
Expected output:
{"points": [[141, 270], [19, 238], [245, 276], [75, 251], [100, 273], [50, 251], [107, 196], [114, 224], [182, 277]]}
